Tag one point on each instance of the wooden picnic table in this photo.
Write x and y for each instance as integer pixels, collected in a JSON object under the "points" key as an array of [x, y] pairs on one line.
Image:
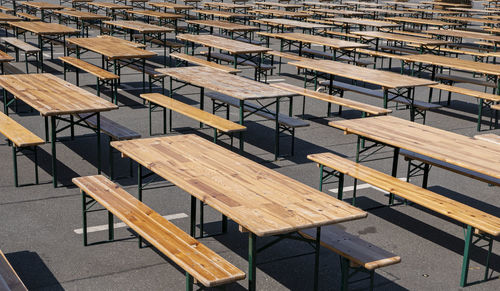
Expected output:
{"points": [[82, 18], [472, 154], [46, 32], [109, 8], [362, 23], [283, 22], [377, 12], [424, 12], [164, 18], [424, 43], [54, 98], [178, 8], [232, 16], [391, 83], [234, 30], [6, 17], [326, 5], [421, 21], [456, 33], [280, 13], [42, 6], [235, 8], [471, 20], [286, 6], [234, 86], [324, 12], [447, 4], [240, 189]]}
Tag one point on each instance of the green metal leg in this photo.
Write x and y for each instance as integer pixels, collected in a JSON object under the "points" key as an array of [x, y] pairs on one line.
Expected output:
{"points": [[192, 229], [202, 213], [252, 259], [277, 131], [98, 132], [111, 161], [480, 113], [189, 282], [14, 156], [242, 105], [395, 160], [340, 191], [53, 146], [36, 164], [466, 259], [320, 177], [139, 181], [317, 248], [84, 216]]}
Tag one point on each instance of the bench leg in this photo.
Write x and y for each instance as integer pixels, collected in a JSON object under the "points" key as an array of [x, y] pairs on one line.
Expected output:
{"points": [[14, 160], [202, 220], [111, 227], [466, 259], [84, 216], [395, 160], [36, 164], [344, 270], [252, 259], [98, 85], [111, 162], [317, 248], [189, 282]]}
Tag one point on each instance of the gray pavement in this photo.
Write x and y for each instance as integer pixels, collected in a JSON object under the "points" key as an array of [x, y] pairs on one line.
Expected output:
{"points": [[39, 224]]}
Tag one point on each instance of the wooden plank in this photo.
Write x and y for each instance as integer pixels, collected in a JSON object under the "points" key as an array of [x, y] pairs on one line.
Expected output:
{"points": [[229, 45], [401, 37], [111, 48], [466, 152], [8, 277], [89, 68], [428, 199], [202, 62], [202, 263], [229, 26], [456, 63], [320, 40], [44, 28], [83, 15], [490, 137], [138, 26], [17, 134], [51, 95], [293, 23], [259, 199]]}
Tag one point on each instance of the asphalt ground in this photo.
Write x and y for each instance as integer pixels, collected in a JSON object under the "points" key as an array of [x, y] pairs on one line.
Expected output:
{"points": [[40, 227]]}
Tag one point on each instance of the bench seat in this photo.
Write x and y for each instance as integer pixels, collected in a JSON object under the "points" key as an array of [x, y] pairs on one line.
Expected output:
{"points": [[196, 259], [397, 49], [29, 17], [328, 55], [124, 41], [489, 137], [365, 108], [19, 45], [8, 276], [89, 68], [240, 61], [461, 79], [205, 63]]}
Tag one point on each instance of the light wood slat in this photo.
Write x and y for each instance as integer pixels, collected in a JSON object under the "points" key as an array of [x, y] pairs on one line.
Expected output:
{"points": [[364, 22], [370, 109], [9, 17], [156, 14], [9, 280], [228, 84], [464, 34], [257, 198], [222, 14], [83, 15], [466, 152], [277, 4], [41, 5], [124, 41], [428, 199], [226, 6], [111, 48], [467, 92], [138, 26], [456, 63], [400, 37], [203, 62], [385, 79], [229, 45], [490, 137], [293, 23], [433, 11], [112, 6], [353, 248], [281, 13], [202, 263], [321, 40], [333, 12], [205, 117], [5, 57], [471, 19], [170, 5], [15, 42], [51, 95], [229, 26], [431, 22], [16, 133], [44, 28], [89, 68]]}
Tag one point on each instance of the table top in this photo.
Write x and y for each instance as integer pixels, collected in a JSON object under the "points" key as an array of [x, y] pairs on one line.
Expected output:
{"points": [[44, 28], [294, 23], [470, 19], [42, 5], [456, 63], [282, 13], [9, 17], [52, 96], [139, 26], [257, 198], [433, 11], [230, 26], [364, 21], [111, 6], [82, 14], [432, 22], [235, 86], [110, 48], [226, 44], [321, 40], [401, 37], [337, 11], [157, 14], [463, 151], [463, 34], [384, 79], [222, 14]]}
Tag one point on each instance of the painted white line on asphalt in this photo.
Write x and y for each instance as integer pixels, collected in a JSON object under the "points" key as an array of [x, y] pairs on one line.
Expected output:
{"points": [[363, 186], [121, 224]]}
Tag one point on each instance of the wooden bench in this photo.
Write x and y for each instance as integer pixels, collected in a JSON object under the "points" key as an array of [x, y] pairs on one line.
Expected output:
{"points": [[114, 131], [341, 102], [479, 224], [355, 253], [201, 62], [460, 79], [345, 35], [9, 280], [422, 106], [219, 124], [489, 137], [10, 69], [28, 49], [6, 9], [283, 55], [287, 123], [20, 139], [124, 41], [153, 75], [401, 50], [328, 55], [28, 17], [381, 54], [259, 69], [103, 77], [196, 259], [484, 98]]}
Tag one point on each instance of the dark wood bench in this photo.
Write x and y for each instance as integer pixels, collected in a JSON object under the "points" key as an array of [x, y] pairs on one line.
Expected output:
{"points": [[28, 49], [422, 106], [219, 124], [366, 109], [113, 130], [486, 100], [479, 224], [287, 123], [103, 77], [199, 262], [201, 62], [9, 280], [355, 254], [20, 139]]}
